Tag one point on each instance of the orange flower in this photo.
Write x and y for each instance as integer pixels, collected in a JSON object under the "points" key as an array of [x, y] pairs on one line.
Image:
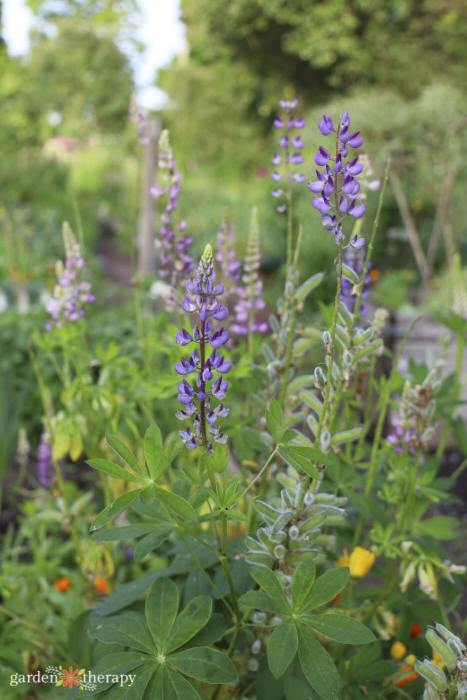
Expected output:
{"points": [[62, 584], [336, 598], [360, 561], [416, 630], [375, 274], [405, 675], [102, 585]]}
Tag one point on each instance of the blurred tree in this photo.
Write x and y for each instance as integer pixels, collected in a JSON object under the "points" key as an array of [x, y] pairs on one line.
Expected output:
{"points": [[244, 54]]}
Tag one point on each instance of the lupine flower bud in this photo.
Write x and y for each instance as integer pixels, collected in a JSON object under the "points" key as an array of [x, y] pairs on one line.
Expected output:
{"points": [[71, 293], [175, 262], [337, 184], [196, 398], [250, 293]]}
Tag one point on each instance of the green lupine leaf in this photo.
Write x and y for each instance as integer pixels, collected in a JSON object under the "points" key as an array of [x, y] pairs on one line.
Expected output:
{"points": [[103, 465], [204, 664], [126, 532], [169, 685], [282, 647], [210, 633], [296, 689], [326, 587], [176, 503], [340, 628], [269, 582], [317, 666], [302, 583], [274, 419], [307, 287], [136, 691], [153, 449], [121, 629], [190, 621], [261, 601], [161, 610], [125, 453], [151, 541], [113, 665], [118, 506], [301, 458]]}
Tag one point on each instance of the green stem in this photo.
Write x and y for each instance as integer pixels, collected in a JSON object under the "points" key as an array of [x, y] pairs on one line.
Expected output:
{"points": [[328, 378], [384, 403], [259, 474]]}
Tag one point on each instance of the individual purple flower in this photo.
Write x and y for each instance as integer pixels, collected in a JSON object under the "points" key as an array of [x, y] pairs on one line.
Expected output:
{"points": [[250, 292], [44, 459], [336, 186], [71, 293], [208, 362], [289, 155], [175, 261], [225, 256]]}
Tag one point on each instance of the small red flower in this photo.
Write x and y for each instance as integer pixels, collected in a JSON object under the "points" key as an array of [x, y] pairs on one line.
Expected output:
{"points": [[336, 598], [70, 677], [416, 630]]}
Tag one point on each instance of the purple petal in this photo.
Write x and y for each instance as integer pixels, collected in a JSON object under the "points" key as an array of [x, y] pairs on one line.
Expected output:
{"points": [[321, 205], [358, 211]]}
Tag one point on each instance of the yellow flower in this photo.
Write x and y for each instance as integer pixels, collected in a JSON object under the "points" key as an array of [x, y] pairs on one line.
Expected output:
{"points": [[398, 650], [344, 559], [438, 660], [360, 562], [410, 659]]}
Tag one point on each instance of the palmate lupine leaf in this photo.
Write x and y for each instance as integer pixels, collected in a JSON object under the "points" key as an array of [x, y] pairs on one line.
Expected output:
{"points": [[282, 647], [168, 645]]}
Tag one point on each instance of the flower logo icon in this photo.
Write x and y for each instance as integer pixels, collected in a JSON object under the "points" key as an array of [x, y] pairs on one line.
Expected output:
{"points": [[70, 678]]}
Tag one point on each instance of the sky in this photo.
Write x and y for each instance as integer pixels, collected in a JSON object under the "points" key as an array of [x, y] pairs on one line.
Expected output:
{"points": [[160, 30]]}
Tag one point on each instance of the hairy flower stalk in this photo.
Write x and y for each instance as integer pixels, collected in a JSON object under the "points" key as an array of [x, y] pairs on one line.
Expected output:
{"points": [[196, 398], [250, 299], [71, 294], [175, 262]]}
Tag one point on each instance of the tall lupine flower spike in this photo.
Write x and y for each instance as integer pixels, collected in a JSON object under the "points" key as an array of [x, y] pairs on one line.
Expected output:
{"points": [[196, 397], [225, 256], [71, 293], [289, 154], [337, 182], [175, 263], [250, 299]]}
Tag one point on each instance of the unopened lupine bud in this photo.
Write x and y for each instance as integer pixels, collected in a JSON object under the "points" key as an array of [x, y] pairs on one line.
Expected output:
{"points": [[327, 340], [256, 646]]}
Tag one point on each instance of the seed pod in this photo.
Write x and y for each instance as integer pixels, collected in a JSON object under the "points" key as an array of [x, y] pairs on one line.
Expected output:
{"points": [[282, 520], [278, 537], [328, 498], [286, 501], [447, 634], [320, 377], [256, 646], [430, 693], [294, 532], [257, 546], [265, 509], [279, 551], [432, 673], [259, 559], [325, 439], [442, 648], [313, 522], [335, 520]]}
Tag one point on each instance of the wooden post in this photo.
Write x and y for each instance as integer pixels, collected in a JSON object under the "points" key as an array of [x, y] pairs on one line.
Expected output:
{"points": [[146, 252]]}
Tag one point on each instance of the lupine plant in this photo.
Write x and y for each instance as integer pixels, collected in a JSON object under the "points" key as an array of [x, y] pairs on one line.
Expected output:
{"points": [[288, 542]]}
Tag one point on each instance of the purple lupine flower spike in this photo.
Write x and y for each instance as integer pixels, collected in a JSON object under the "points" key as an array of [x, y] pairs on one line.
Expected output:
{"points": [[250, 293], [225, 256], [291, 145], [44, 459], [337, 186], [72, 292], [196, 396], [175, 262]]}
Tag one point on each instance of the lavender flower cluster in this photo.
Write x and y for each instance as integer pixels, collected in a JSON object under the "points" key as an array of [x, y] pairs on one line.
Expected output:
{"points": [[291, 145], [175, 262], [196, 398], [338, 185], [71, 293], [44, 459], [250, 294], [225, 256]]}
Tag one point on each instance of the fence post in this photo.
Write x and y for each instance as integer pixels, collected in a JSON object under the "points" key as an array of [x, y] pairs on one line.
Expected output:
{"points": [[146, 252]]}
